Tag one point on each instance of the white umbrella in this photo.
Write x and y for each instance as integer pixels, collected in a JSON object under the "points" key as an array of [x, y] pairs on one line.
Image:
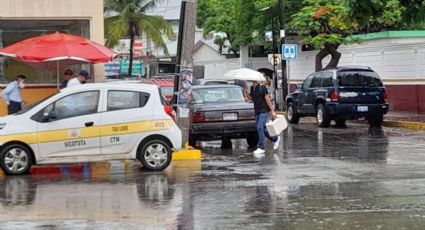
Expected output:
{"points": [[244, 74]]}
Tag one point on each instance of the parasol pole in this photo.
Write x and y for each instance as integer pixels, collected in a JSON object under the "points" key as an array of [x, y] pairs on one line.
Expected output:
{"points": [[57, 74]]}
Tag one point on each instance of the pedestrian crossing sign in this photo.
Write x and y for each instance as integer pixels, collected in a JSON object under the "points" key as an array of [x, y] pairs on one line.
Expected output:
{"points": [[289, 52]]}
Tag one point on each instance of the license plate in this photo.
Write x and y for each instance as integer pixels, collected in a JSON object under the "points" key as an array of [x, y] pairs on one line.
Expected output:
{"points": [[362, 109], [230, 116]]}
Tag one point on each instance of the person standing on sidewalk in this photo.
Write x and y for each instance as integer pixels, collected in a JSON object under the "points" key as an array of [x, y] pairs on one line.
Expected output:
{"points": [[262, 105], [67, 76], [12, 95], [83, 76]]}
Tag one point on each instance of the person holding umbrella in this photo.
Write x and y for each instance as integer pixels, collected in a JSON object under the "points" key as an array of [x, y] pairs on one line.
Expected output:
{"points": [[82, 77], [12, 94], [262, 106]]}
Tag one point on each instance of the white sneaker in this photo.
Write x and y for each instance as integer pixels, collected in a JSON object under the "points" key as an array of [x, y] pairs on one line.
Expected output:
{"points": [[259, 155], [259, 151], [276, 143]]}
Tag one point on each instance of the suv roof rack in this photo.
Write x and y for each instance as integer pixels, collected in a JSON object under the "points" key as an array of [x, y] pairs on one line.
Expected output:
{"points": [[353, 67]]}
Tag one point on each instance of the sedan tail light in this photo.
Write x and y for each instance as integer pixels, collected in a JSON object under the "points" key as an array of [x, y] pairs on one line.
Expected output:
{"points": [[246, 118], [334, 96], [198, 117], [169, 110]]}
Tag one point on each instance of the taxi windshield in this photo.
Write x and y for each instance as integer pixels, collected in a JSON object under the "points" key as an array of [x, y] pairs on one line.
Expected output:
{"points": [[29, 107]]}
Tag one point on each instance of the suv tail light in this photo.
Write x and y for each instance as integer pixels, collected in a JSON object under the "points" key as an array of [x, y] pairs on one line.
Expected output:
{"points": [[169, 110], [385, 96], [334, 96], [198, 117]]}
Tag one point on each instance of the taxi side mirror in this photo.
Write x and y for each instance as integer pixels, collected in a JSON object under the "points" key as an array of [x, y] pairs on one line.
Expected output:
{"points": [[49, 116]]}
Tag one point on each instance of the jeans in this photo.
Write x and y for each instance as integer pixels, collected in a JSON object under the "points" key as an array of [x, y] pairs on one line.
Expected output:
{"points": [[261, 120]]}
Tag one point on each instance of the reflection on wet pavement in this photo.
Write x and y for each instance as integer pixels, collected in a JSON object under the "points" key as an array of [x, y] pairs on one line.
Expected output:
{"points": [[352, 178]]}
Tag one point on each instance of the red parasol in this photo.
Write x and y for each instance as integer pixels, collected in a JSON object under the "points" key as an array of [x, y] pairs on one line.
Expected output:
{"points": [[59, 47]]}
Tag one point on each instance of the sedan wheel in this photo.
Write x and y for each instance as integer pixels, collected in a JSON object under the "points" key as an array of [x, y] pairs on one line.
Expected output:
{"points": [[15, 159], [155, 155]]}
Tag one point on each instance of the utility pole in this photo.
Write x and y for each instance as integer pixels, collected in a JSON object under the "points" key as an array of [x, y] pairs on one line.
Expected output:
{"points": [[185, 42], [283, 41], [274, 77]]}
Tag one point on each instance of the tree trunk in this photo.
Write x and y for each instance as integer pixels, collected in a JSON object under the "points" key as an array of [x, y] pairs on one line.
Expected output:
{"points": [[130, 64], [335, 56]]}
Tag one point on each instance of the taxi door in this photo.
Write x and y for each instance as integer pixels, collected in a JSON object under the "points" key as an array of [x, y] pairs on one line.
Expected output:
{"points": [[126, 115], [69, 126]]}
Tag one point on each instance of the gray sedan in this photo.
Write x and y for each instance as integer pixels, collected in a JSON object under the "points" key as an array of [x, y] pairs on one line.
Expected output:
{"points": [[220, 112]]}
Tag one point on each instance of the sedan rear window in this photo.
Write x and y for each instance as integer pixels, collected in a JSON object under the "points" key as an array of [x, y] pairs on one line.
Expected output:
{"points": [[358, 79], [217, 95]]}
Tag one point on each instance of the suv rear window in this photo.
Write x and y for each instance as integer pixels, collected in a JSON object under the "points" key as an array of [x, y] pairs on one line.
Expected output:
{"points": [[355, 78]]}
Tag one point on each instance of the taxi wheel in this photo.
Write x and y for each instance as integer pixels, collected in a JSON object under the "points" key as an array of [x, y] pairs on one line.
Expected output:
{"points": [[155, 155], [15, 159]]}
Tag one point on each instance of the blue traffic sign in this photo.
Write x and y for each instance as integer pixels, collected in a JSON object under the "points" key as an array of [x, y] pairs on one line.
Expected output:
{"points": [[289, 52]]}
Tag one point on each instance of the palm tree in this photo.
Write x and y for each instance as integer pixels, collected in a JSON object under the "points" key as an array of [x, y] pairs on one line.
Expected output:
{"points": [[128, 18]]}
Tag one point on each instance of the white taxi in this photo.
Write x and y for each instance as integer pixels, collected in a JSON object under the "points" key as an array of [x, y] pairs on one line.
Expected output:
{"points": [[92, 122]]}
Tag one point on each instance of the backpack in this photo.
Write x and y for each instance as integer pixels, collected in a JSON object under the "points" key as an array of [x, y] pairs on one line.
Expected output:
{"points": [[261, 90]]}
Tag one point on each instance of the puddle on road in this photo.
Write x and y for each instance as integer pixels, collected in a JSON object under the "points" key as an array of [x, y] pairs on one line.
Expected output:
{"points": [[319, 179]]}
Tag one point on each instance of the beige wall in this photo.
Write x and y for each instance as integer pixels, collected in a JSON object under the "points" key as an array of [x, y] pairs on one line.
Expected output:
{"points": [[60, 9]]}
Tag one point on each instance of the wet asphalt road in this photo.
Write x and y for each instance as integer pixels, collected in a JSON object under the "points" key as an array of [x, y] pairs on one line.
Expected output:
{"points": [[352, 178]]}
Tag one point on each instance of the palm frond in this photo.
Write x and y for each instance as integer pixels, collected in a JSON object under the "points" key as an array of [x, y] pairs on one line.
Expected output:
{"points": [[115, 30], [131, 14], [160, 23], [146, 5], [113, 6], [154, 33]]}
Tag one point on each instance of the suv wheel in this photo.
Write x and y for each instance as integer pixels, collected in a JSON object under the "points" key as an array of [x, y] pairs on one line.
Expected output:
{"points": [[292, 114], [155, 155], [376, 120], [15, 159], [322, 117]]}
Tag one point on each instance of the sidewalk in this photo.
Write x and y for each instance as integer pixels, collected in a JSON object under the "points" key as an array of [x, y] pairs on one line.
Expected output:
{"points": [[413, 121], [406, 120]]}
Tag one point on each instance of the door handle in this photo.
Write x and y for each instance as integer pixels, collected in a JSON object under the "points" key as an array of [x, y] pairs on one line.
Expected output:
{"points": [[88, 124]]}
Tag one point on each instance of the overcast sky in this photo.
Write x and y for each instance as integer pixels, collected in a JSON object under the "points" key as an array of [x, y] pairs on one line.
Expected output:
{"points": [[169, 9]]}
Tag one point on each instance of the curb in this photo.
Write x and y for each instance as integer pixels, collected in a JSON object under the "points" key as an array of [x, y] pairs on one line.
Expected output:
{"points": [[417, 126], [405, 124]]}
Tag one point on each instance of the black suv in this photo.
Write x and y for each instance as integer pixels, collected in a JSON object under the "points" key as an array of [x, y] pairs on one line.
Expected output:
{"points": [[340, 94]]}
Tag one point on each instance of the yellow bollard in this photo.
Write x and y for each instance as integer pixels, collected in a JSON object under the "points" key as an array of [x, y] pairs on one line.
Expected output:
{"points": [[187, 153]]}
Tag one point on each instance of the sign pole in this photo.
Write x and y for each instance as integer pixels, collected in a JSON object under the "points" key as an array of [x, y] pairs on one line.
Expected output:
{"points": [[283, 41]]}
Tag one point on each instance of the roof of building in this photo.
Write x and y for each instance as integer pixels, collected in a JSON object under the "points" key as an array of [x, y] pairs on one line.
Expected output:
{"points": [[210, 43]]}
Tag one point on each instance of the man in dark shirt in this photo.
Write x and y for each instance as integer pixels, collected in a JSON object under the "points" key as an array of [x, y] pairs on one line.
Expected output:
{"points": [[262, 105], [67, 76]]}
